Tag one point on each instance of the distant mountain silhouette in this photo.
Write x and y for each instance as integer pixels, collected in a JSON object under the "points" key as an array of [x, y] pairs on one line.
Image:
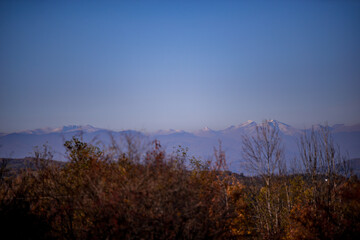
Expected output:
{"points": [[201, 143]]}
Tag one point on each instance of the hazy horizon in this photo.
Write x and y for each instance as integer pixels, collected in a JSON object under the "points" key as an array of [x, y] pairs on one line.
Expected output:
{"points": [[186, 130], [186, 65]]}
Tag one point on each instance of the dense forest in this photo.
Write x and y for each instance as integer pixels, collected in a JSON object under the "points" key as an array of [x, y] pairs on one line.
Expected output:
{"points": [[147, 193]]}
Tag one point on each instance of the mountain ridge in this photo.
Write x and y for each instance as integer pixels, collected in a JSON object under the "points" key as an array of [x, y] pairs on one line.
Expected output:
{"points": [[283, 127], [200, 142]]}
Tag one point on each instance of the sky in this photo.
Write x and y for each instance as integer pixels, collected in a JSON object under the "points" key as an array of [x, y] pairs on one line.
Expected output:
{"points": [[149, 65]]}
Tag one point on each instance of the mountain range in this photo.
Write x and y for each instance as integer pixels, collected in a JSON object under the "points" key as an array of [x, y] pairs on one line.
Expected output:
{"points": [[200, 143]]}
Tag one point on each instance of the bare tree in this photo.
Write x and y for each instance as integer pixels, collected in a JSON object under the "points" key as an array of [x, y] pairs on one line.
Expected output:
{"points": [[264, 155], [263, 152], [322, 161]]}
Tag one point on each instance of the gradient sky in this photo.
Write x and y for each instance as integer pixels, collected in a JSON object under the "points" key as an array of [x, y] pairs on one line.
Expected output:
{"points": [[151, 65]]}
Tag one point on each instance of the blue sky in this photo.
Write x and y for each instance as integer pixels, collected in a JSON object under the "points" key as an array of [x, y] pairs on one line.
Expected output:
{"points": [[151, 65]]}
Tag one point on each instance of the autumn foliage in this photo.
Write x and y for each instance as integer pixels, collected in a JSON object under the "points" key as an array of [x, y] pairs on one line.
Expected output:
{"points": [[126, 193], [113, 196]]}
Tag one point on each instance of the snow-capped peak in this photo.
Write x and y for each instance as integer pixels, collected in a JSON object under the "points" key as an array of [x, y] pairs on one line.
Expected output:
{"points": [[248, 123], [64, 129], [167, 132], [205, 132], [284, 128]]}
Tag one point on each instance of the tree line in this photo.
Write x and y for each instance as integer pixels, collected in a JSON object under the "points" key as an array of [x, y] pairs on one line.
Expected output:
{"points": [[126, 192]]}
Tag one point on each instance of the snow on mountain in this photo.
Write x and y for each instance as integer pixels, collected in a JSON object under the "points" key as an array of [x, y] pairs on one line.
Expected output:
{"points": [[205, 132], [167, 132], [64, 129], [37, 131], [284, 128], [250, 127], [201, 143], [239, 130], [21, 144], [248, 124]]}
